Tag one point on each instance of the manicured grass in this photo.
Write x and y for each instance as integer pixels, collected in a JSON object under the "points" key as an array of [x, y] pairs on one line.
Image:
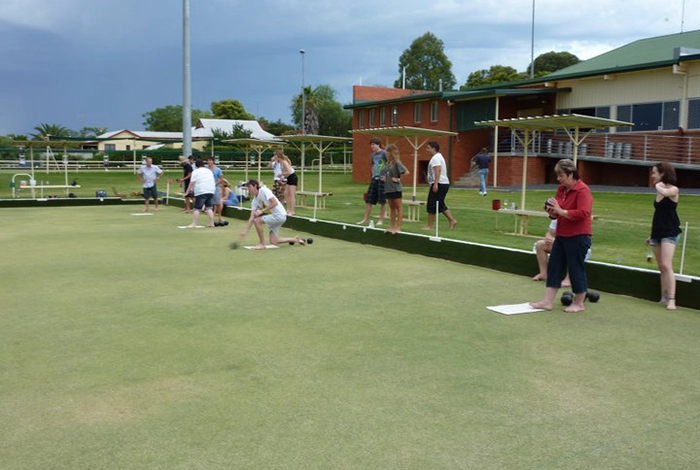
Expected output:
{"points": [[622, 225], [129, 343]]}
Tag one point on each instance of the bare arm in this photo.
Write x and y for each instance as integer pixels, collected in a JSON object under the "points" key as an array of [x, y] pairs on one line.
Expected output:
{"points": [[438, 171], [667, 190]]}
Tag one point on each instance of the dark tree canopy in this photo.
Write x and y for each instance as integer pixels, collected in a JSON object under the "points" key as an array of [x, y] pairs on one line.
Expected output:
{"points": [[495, 74], [230, 109], [552, 61], [427, 66], [544, 64], [169, 118]]}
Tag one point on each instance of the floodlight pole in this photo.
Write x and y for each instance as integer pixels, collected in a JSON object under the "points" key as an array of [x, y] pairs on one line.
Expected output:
{"points": [[303, 94], [532, 43], [186, 90], [303, 117]]}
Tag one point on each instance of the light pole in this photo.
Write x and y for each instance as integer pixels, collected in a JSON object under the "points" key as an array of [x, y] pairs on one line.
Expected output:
{"points": [[303, 94], [532, 43], [186, 91]]}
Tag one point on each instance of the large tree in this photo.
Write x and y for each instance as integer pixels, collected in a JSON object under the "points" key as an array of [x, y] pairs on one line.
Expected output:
{"points": [[495, 74], [552, 61], [230, 109], [544, 64], [169, 118], [324, 115], [427, 67]]}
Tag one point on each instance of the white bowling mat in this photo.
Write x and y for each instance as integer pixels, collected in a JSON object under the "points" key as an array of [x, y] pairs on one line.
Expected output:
{"points": [[514, 309]]}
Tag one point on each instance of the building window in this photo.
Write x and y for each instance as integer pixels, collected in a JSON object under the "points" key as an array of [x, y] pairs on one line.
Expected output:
{"points": [[394, 115], [650, 116], [371, 118], [694, 113], [110, 147], [416, 112], [671, 119], [434, 111], [361, 119], [382, 117]]}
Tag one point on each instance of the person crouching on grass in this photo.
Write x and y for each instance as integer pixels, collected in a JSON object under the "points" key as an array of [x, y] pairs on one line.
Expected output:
{"points": [[264, 201]]}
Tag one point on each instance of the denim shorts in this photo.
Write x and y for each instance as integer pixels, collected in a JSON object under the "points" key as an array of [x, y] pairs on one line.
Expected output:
{"points": [[657, 241]]}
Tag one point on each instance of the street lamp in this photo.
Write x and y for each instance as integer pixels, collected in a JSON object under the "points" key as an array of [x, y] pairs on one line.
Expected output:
{"points": [[303, 94]]}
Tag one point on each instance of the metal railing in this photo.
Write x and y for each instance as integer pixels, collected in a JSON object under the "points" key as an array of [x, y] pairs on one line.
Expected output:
{"points": [[615, 147]]}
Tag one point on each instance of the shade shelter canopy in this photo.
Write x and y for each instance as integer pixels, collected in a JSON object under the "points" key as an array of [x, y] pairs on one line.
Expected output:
{"points": [[320, 143], [257, 145], [576, 126], [417, 137]]}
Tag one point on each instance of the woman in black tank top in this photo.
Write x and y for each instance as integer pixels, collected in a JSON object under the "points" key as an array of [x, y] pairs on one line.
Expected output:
{"points": [[665, 228]]}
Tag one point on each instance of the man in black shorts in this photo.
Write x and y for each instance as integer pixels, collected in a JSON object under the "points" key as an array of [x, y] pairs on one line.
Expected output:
{"points": [[375, 192]]}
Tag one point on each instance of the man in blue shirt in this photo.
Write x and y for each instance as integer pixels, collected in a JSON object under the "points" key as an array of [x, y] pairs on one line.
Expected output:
{"points": [[482, 160], [218, 180]]}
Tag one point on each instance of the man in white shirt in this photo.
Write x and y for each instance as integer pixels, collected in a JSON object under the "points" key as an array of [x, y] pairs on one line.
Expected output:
{"points": [[267, 210], [439, 185], [203, 185], [149, 174]]}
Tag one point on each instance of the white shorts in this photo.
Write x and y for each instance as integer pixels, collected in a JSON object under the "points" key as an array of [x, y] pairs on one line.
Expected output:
{"points": [[274, 222]]}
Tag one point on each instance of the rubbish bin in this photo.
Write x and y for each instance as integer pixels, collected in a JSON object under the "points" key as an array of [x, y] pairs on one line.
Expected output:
{"points": [[496, 204]]}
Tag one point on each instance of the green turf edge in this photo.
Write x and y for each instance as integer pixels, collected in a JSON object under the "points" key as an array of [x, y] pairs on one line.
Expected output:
{"points": [[614, 279]]}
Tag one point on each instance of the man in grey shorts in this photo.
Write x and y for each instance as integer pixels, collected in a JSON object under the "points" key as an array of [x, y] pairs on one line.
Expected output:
{"points": [[266, 210]]}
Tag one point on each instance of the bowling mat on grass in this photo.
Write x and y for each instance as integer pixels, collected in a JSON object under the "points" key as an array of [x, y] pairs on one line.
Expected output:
{"points": [[187, 226], [255, 247], [514, 309]]}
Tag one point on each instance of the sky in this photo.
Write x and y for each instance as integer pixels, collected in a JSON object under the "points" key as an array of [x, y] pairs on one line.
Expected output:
{"points": [[82, 63]]}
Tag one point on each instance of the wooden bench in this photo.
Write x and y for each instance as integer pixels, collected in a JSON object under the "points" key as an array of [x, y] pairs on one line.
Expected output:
{"points": [[522, 218], [319, 199], [41, 188], [412, 214]]}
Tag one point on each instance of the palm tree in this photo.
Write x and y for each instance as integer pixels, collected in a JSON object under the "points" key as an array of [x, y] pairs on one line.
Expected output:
{"points": [[47, 131], [309, 123]]}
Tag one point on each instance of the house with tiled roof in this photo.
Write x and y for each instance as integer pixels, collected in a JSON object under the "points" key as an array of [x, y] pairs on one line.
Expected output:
{"points": [[202, 132], [653, 83]]}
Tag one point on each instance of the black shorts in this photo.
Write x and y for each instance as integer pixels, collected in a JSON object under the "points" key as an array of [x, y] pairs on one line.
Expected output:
{"points": [[375, 193], [204, 201], [150, 193], [292, 179], [394, 195], [437, 198]]}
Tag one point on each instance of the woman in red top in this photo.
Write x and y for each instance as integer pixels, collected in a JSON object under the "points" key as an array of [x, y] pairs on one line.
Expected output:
{"points": [[572, 208]]}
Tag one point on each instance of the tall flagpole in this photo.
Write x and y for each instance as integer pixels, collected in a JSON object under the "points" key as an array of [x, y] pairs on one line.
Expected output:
{"points": [[186, 90]]}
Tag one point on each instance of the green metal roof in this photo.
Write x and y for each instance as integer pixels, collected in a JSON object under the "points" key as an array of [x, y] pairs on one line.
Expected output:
{"points": [[639, 55]]}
